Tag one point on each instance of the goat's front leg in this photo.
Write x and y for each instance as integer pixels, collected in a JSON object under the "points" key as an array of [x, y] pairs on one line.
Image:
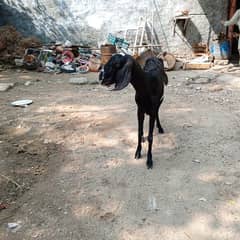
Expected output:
{"points": [[140, 115], [150, 141]]}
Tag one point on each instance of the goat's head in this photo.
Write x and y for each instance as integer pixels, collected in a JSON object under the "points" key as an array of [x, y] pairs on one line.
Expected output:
{"points": [[156, 65], [117, 71]]}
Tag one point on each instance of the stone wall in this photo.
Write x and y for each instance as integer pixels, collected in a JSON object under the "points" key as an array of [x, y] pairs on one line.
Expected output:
{"points": [[90, 21]]}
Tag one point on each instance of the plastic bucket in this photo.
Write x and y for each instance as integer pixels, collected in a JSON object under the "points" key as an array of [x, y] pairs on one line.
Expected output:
{"points": [[220, 50]]}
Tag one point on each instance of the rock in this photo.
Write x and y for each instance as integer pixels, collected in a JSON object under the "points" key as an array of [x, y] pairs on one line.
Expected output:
{"points": [[178, 65], [196, 161], [215, 88], [221, 62], [187, 125], [82, 81], [202, 199], [6, 86], [28, 83], [228, 183]]}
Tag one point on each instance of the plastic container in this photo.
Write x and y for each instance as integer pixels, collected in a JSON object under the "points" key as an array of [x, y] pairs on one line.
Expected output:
{"points": [[220, 50]]}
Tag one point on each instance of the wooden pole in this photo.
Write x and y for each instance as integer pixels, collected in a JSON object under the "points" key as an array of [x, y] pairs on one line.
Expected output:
{"points": [[232, 10]]}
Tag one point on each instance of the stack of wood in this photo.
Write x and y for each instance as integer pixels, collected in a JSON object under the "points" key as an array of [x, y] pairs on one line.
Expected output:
{"points": [[200, 49]]}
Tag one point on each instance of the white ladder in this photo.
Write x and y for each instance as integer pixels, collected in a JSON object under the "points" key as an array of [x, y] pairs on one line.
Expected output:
{"points": [[140, 33]]}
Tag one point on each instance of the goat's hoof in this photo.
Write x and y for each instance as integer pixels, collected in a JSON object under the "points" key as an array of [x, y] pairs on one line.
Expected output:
{"points": [[149, 164], [161, 131], [137, 155]]}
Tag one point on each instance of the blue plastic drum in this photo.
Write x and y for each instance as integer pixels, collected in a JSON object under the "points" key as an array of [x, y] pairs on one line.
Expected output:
{"points": [[220, 50]]}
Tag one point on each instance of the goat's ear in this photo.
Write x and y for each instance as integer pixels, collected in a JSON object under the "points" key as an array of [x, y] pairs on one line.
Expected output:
{"points": [[123, 75]]}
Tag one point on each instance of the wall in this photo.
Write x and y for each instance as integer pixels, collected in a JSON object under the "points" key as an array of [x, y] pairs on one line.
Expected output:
{"points": [[90, 21]]}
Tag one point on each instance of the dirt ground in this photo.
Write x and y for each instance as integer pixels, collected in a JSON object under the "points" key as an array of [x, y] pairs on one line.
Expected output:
{"points": [[67, 167]]}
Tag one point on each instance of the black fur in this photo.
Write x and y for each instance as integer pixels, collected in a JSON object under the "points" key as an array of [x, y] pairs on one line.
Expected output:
{"points": [[149, 85]]}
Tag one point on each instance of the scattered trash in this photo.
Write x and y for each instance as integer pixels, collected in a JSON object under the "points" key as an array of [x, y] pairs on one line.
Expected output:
{"points": [[152, 203], [196, 161], [229, 183], [22, 103], [68, 68], [187, 125], [3, 206], [119, 42], [15, 226], [19, 62], [68, 44], [6, 86], [202, 199], [12, 225]]}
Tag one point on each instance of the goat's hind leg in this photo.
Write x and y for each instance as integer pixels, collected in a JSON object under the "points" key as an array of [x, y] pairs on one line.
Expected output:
{"points": [[160, 129], [140, 115], [150, 141], [159, 126]]}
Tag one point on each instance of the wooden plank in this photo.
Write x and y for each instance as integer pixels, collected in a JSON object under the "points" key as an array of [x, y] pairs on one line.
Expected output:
{"points": [[149, 45], [197, 66]]}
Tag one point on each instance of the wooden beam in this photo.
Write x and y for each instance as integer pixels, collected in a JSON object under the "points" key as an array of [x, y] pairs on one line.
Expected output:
{"points": [[232, 10]]}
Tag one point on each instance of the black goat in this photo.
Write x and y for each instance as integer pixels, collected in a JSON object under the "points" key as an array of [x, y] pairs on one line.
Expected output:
{"points": [[149, 85]]}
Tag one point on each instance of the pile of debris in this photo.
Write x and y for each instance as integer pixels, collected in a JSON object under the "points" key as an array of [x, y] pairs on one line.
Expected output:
{"points": [[61, 57], [13, 44], [58, 57], [31, 54]]}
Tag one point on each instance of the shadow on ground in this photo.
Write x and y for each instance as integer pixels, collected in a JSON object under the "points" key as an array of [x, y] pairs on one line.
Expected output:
{"points": [[96, 190]]}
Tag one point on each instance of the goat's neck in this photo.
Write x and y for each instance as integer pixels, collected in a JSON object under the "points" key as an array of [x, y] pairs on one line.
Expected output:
{"points": [[137, 80]]}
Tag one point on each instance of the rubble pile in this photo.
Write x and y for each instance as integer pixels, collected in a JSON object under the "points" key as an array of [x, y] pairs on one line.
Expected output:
{"points": [[13, 44]]}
